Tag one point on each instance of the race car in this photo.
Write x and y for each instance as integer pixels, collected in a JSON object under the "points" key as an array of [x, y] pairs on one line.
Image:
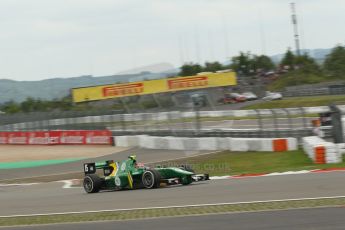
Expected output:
{"points": [[128, 174]]}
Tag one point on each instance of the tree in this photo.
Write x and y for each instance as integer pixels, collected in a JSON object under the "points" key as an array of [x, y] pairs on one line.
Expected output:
{"points": [[305, 71], [248, 64], [10, 107], [334, 64], [288, 59], [242, 63], [307, 64], [190, 69], [213, 67], [27, 105], [263, 63]]}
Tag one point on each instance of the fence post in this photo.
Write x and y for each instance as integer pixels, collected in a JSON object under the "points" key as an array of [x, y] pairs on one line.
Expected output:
{"points": [[289, 120], [123, 122], [337, 126], [197, 120], [258, 115], [275, 122]]}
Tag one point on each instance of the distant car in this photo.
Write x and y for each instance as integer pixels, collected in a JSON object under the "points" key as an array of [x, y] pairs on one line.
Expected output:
{"points": [[230, 98], [226, 100], [272, 96], [238, 97], [250, 96]]}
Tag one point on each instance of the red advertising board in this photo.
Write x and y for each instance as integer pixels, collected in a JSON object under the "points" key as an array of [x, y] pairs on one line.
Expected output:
{"points": [[54, 137], [38, 138], [76, 137], [17, 138], [72, 137], [97, 137], [3, 138]]}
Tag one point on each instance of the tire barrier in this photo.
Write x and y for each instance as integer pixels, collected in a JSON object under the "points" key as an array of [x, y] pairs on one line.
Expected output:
{"points": [[321, 151], [208, 143], [73, 137]]}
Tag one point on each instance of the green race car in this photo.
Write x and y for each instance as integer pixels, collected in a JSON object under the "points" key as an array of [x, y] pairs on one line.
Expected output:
{"points": [[128, 174]]}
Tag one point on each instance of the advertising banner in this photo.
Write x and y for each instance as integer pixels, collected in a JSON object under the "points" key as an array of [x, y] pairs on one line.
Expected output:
{"points": [[102, 92], [38, 138], [55, 137], [4, 138], [17, 138], [98, 137], [73, 137]]}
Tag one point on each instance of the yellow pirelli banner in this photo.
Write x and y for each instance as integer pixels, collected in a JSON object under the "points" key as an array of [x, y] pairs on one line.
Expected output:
{"points": [[102, 92]]}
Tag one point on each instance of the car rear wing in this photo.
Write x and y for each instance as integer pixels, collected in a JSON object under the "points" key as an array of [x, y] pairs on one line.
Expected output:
{"points": [[91, 168]]}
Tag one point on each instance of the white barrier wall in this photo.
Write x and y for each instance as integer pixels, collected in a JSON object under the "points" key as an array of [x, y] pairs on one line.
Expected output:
{"points": [[208, 143], [321, 151]]}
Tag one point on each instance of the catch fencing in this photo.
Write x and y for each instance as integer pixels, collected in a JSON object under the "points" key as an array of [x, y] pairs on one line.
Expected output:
{"points": [[291, 122]]}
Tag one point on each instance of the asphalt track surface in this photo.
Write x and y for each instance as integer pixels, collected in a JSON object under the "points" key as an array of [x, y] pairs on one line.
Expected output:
{"points": [[143, 155], [52, 198], [298, 219]]}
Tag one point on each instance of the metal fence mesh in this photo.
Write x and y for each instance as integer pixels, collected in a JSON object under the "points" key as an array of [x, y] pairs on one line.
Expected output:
{"points": [[294, 122]]}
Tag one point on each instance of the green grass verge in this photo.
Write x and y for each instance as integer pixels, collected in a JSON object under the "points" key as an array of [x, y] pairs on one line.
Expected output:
{"points": [[292, 102], [173, 212], [237, 163]]}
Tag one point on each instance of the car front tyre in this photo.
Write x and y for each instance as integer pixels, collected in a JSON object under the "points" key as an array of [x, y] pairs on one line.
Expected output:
{"points": [[151, 179]]}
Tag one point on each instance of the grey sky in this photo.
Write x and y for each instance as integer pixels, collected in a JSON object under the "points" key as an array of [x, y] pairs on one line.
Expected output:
{"points": [[42, 39]]}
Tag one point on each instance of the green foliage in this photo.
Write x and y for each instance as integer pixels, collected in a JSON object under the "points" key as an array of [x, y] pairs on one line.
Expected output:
{"points": [[301, 61], [242, 63], [288, 59], [335, 62], [248, 64], [306, 72], [10, 107], [303, 70], [262, 62], [190, 69], [307, 64], [212, 67], [35, 105]]}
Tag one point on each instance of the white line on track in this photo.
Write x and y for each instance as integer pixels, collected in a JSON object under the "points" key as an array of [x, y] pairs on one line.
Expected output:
{"points": [[181, 206], [11, 185], [71, 183]]}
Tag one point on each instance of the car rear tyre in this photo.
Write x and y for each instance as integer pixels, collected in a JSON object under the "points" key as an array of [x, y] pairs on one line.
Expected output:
{"points": [[92, 183], [151, 179]]}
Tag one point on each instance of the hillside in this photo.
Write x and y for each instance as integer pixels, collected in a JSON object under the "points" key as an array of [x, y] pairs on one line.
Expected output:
{"points": [[60, 87], [318, 54]]}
